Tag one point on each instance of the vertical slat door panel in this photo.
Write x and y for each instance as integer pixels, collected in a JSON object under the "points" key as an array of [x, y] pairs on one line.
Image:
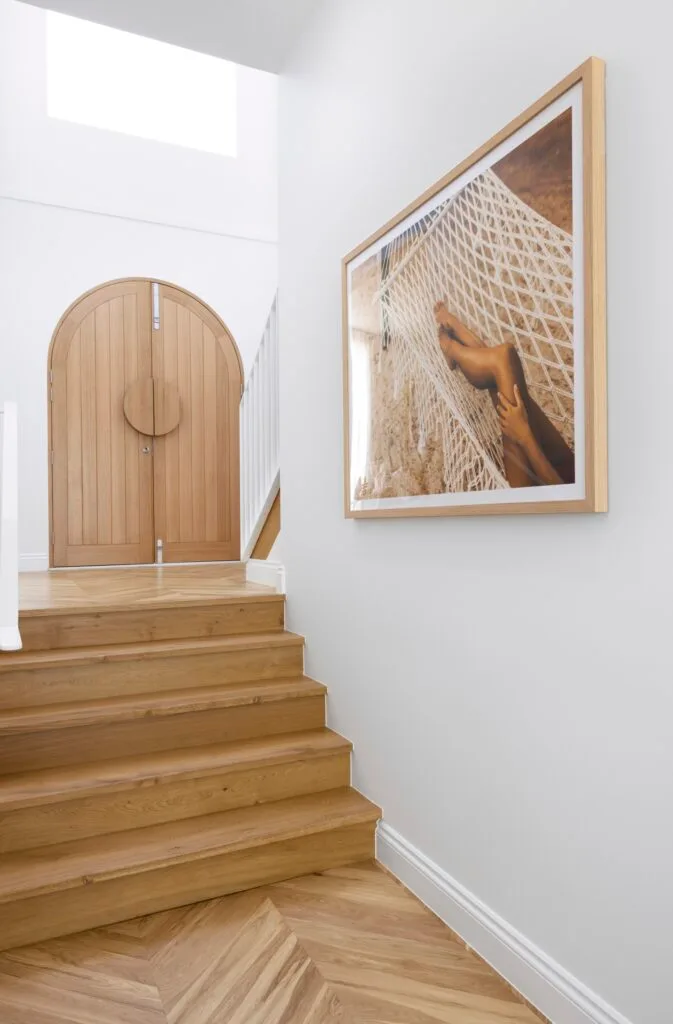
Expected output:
{"points": [[184, 432], [132, 454], [87, 402], [117, 422], [196, 465], [114, 490], [103, 404], [102, 501], [198, 431], [74, 483]]}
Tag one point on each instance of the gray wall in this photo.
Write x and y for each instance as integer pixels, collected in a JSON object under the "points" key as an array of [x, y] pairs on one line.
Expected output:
{"points": [[507, 681]]}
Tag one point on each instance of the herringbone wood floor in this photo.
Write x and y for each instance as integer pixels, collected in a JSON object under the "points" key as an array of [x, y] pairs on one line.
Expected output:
{"points": [[128, 587], [350, 945]]}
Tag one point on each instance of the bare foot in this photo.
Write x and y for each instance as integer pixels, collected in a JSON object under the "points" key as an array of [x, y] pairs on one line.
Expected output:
{"points": [[451, 326], [446, 334]]}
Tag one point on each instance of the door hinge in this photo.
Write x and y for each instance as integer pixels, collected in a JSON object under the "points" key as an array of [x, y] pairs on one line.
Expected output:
{"points": [[156, 308], [51, 381], [51, 458]]}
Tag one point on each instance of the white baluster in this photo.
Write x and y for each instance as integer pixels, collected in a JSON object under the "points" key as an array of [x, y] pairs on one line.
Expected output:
{"points": [[259, 433]]}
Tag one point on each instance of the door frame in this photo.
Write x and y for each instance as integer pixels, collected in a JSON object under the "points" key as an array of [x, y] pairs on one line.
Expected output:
{"points": [[53, 348]]}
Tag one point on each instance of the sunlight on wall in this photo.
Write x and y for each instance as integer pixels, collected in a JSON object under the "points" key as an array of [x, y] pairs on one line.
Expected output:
{"points": [[105, 78]]}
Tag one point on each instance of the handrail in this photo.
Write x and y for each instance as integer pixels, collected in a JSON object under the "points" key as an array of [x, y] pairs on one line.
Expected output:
{"points": [[260, 451], [10, 639]]}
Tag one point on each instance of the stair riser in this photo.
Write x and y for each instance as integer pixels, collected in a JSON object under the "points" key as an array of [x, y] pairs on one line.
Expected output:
{"points": [[35, 687], [36, 750], [102, 903], [58, 630], [174, 800]]}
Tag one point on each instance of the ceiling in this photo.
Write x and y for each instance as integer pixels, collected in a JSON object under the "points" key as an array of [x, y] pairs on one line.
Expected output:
{"points": [[259, 33]]}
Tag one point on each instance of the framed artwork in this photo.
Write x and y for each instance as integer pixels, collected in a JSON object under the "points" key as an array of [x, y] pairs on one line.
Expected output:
{"points": [[474, 328]]}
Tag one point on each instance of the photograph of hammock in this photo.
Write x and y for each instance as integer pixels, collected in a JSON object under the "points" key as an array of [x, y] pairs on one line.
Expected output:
{"points": [[468, 321]]}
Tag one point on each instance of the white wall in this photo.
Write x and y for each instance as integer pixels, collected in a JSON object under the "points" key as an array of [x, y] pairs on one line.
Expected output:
{"points": [[80, 206], [53, 161], [507, 681]]}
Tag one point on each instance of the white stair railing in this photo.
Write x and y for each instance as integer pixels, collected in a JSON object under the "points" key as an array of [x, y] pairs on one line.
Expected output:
{"points": [[260, 454], [10, 639]]}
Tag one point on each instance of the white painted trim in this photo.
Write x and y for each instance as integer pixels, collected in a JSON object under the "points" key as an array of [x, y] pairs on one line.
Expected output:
{"points": [[10, 638], [541, 980], [270, 574], [9, 527], [33, 563], [259, 422]]}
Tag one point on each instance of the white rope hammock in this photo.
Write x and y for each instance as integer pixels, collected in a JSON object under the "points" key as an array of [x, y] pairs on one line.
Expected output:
{"points": [[507, 273]]}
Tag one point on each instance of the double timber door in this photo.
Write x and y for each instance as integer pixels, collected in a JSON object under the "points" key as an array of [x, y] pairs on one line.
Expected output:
{"points": [[144, 386]]}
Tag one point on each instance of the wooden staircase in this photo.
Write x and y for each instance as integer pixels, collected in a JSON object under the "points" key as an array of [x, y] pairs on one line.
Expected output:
{"points": [[161, 753]]}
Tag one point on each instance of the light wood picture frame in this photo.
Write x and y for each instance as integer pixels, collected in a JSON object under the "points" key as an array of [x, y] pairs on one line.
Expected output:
{"points": [[474, 328]]}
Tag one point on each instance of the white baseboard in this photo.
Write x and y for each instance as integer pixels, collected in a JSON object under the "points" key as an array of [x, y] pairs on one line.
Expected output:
{"points": [[546, 984], [33, 563], [10, 639], [270, 574]]}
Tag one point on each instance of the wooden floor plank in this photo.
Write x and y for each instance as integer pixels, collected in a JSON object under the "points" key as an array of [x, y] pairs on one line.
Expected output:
{"points": [[121, 587], [349, 945]]}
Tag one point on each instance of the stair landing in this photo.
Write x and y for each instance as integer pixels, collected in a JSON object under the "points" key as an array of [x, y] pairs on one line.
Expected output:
{"points": [[74, 608], [124, 587]]}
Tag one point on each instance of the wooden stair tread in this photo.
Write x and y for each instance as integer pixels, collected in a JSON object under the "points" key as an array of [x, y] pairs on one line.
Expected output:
{"points": [[137, 706], [51, 785], [78, 656], [254, 594], [31, 873]]}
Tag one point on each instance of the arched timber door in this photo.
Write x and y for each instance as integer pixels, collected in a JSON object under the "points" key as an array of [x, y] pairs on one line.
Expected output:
{"points": [[145, 385]]}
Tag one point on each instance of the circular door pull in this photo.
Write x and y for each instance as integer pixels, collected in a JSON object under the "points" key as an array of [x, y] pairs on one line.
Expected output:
{"points": [[166, 407], [152, 406], [139, 405]]}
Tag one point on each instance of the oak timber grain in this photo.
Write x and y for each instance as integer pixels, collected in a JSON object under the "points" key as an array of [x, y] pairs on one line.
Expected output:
{"points": [[64, 804], [349, 944], [36, 678], [51, 629], [196, 465], [122, 588], [66, 734], [58, 890], [101, 484], [269, 532]]}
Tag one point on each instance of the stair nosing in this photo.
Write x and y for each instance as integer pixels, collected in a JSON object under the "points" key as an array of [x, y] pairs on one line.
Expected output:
{"points": [[26, 661], [135, 706], [362, 812], [153, 605], [64, 791]]}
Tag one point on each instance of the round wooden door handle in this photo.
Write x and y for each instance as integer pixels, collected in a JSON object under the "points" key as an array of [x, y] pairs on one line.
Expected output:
{"points": [[139, 405], [152, 406], [166, 407]]}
